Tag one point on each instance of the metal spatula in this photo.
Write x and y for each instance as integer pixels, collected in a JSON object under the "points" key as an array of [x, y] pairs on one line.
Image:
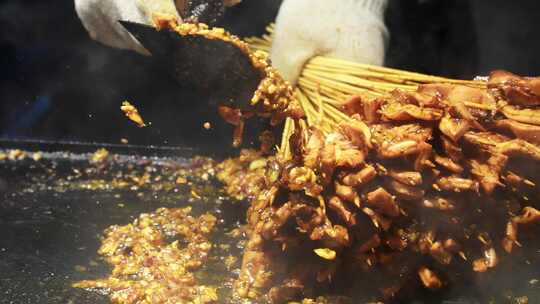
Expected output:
{"points": [[217, 68]]}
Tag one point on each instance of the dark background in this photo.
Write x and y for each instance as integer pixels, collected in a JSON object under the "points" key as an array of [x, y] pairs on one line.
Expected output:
{"points": [[57, 84]]}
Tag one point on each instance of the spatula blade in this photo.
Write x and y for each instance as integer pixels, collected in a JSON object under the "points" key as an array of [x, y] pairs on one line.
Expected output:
{"points": [[218, 68]]}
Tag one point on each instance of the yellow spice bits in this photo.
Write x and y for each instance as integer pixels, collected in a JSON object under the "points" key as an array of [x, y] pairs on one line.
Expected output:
{"points": [[147, 268], [99, 156], [132, 113], [325, 253]]}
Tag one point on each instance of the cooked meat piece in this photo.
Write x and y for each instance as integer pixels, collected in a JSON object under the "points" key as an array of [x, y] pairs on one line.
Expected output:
{"points": [[454, 128], [410, 178], [530, 215], [336, 204], [415, 98], [371, 110], [452, 149], [438, 203], [437, 90], [331, 236], [378, 220], [403, 148], [429, 279], [312, 150], [345, 153], [347, 193], [425, 241], [247, 176], [236, 118], [267, 142], [497, 162], [524, 91], [457, 184], [361, 178], [529, 116], [491, 257], [489, 260], [485, 140], [259, 206], [487, 176], [257, 270], [406, 192], [338, 151], [383, 202], [408, 112], [423, 160], [238, 134], [373, 242], [460, 95], [325, 253], [448, 164], [357, 132], [272, 221], [451, 245], [480, 265], [290, 290], [230, 115], [388, 133], [354, 105], [132, 113], [308, 218], [439, 253], [303, 178], [327, 164], [400, 141], [516, 180], [510, 236], [396, 242], [530, 133], [518, 147]]}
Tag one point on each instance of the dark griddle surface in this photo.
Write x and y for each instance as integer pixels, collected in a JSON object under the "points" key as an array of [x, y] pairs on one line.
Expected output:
{"points": [[49, 228]]}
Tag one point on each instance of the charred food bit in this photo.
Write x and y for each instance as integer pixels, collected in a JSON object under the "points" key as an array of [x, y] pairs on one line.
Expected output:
{"points": [[132, 113], [99, 156], [325, 253], [429, 278], [147, 268]]}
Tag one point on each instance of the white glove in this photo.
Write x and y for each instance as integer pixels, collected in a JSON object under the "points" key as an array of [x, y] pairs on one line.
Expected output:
{"points": [[346, 29], [100, 18]]}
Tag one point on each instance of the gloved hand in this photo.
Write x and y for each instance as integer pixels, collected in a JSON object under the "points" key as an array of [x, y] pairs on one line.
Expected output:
{"points": [[100, 18], [346, 29]]}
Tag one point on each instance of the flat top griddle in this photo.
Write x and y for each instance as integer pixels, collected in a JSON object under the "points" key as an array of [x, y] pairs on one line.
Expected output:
{"points": [[53, 213]]}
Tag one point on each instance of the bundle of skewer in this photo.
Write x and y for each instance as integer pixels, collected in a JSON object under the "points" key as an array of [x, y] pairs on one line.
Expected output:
{"points": [[325, 84], [390, 161]]}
